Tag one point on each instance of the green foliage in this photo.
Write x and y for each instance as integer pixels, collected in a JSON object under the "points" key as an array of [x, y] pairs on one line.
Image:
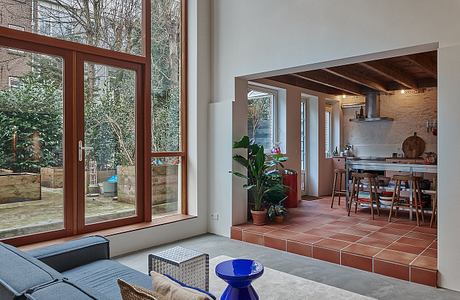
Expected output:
{"points": [[276, 210], [110, 123], [263, 181], [33, 108], [110, 119], [166, 70]]}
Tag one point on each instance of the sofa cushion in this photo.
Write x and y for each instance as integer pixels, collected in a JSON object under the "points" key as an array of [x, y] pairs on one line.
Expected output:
{"points": [[102, 277], [20, 272], [69, 255], [133, 292], [63, 289], [174, 290]]}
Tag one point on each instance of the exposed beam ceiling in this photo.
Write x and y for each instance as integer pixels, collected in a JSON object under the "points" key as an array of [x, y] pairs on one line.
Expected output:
{"points": [[392, 73], [413, 71], [426, 62], [306, 84], [354, 76], [333, 81]]}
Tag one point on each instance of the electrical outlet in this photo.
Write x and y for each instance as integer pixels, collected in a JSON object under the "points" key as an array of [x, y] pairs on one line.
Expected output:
{"points": [[215, 216]]}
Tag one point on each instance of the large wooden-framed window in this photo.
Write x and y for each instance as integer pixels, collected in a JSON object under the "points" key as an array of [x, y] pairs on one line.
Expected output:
{"points": [[100, 137]]}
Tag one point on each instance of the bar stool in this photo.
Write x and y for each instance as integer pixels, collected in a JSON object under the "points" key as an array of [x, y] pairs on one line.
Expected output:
{"points": [[357, 185], [339, 175], [398, 201], [434, 203]]}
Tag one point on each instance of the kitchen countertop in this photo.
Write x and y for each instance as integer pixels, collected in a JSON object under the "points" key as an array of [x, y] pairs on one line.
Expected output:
{"points": [[377, 165], [375, 158]]}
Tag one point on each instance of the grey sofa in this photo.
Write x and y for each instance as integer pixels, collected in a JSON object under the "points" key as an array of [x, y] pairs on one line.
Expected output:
{"points": [[79, 269]]}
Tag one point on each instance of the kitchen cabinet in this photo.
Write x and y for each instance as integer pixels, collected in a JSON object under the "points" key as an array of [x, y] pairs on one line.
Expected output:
{"points": [[339, 162]]}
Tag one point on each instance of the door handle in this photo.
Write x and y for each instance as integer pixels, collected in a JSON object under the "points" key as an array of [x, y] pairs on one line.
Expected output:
{"points": [[81, 148]]}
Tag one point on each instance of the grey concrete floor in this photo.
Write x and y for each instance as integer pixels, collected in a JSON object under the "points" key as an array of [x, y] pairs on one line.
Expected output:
{"points": [[357, 281]]}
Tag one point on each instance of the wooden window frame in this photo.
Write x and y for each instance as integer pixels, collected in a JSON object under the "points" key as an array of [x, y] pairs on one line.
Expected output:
{"points": [[72, 53]]}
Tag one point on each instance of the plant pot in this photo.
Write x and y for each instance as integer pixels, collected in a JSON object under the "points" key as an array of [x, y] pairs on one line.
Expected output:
{"points": [[259, 216], [278, 219]]}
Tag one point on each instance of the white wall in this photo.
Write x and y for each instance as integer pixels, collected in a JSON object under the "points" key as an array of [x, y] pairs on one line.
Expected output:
{"points": [[251, 38], [448, 163], [199, 90], [220, 212], [410, 112]]}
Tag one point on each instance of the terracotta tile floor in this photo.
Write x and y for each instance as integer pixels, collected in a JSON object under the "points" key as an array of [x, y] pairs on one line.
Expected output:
{"points": [[398, 249]]}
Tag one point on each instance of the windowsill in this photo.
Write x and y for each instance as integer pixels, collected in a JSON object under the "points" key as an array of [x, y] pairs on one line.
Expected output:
{"points": [[114, 231]]}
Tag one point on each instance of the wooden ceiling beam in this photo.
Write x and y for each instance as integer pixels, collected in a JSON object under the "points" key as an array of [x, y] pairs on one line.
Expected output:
{"points": [[348, 73], [392, 73], [424, 61], [306, 84], [333, 81]]}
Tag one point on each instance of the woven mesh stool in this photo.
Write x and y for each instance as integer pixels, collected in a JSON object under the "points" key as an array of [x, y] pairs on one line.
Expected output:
{"points": [[188, 266]]}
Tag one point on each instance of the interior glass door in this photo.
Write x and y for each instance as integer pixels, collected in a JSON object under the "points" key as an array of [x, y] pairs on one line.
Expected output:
{"points": [[107, 141]]}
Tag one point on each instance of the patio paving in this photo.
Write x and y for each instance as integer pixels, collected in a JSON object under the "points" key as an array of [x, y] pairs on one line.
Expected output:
{"points": [[27, 217]]}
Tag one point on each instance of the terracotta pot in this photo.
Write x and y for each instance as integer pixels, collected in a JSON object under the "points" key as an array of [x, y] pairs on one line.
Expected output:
{"points": [[278, 219], [259, 216]]}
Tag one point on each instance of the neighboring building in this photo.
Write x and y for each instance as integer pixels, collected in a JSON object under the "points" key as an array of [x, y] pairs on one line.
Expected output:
{"points": [[13, 63]]}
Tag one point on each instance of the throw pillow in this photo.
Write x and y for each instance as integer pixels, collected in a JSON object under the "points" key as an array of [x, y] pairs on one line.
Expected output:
{"points": [[132, 292], [171, 290]]}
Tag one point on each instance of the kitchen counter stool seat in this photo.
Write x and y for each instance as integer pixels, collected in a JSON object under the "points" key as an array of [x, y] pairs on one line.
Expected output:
{"points": [[357, 186], [337, 189], [397, 201]]}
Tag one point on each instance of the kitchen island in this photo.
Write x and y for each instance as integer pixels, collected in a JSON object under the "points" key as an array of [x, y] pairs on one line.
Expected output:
{"points": [[377, 165]]}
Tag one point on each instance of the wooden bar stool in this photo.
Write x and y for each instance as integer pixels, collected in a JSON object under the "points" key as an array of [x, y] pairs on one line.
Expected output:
{"points": [[434, 203], [357, 185], [397, 201], [339, 176]]}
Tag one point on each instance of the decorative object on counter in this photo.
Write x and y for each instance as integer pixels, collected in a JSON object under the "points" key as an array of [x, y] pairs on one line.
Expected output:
{"points": [[335, 152], [276, 148], [263, 177], [348, 152], [432, 126], [413, 146], [430, 158]]}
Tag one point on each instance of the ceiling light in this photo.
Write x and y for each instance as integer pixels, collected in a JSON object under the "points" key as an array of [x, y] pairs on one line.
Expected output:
{"points": [[403, 91], [344, 96]]}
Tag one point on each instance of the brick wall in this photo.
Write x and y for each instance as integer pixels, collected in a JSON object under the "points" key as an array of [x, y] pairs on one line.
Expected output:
{"points": [[410, 112]]}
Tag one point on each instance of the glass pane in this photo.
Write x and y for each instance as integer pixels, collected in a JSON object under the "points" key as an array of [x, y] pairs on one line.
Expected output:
{"points": [[260, 118], [31, 143], [166, 186], [109, 24], [303, 164], [166, 74], [327, 131], [110, 144]]}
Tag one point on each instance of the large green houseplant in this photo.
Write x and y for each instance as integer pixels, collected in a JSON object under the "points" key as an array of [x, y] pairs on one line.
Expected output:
{"points": [[262, 180]]}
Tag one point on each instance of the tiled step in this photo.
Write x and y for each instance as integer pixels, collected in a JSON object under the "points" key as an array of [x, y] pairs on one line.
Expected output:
{"points": [[418, 264]]}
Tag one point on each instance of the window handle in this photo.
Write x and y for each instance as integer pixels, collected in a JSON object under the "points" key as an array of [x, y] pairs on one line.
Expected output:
{"points": [[81, 148]]}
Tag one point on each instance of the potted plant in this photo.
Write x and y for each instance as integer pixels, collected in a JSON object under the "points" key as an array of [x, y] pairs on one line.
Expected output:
{"points": [[277, 212], [260, 176]]}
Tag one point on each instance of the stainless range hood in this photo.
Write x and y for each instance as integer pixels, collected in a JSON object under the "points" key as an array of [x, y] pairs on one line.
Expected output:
{"points": [[372, 109]]}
